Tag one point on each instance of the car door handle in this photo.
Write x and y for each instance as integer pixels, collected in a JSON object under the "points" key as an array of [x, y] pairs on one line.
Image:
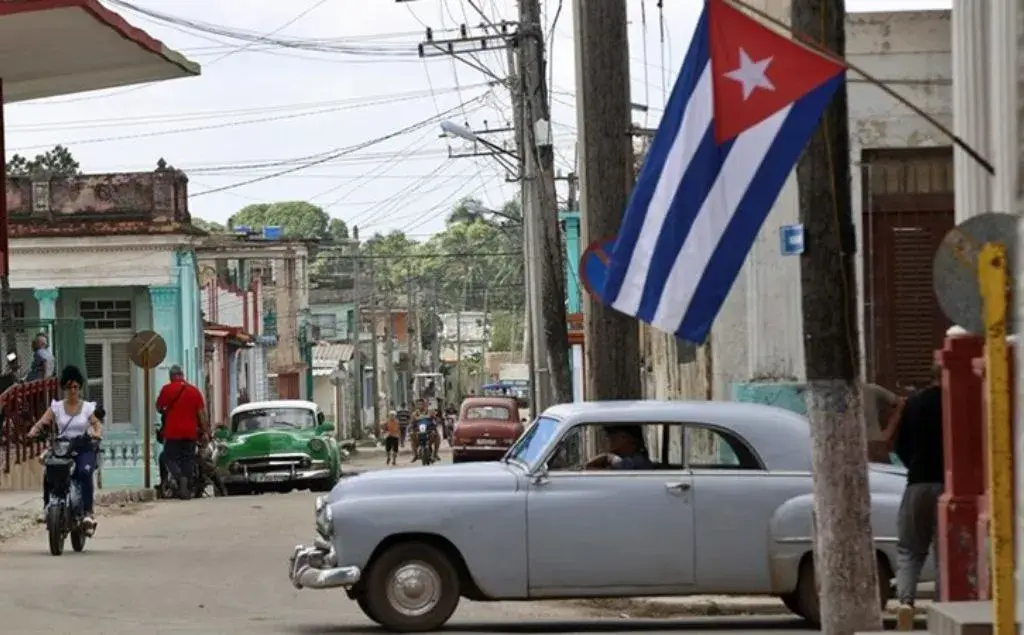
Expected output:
{"points": [[678, 487]]}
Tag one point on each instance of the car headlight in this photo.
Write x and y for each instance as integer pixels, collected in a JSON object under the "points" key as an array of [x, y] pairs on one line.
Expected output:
{"points": [[317, 446], [319, 504], [324, 518]]}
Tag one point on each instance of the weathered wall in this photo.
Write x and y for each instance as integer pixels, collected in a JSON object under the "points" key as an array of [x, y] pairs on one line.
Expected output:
{"points": [[99, 204]]}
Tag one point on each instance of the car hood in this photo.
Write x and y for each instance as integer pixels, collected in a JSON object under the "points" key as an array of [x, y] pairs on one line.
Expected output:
{"points": [[268, 442], [470, 478]]}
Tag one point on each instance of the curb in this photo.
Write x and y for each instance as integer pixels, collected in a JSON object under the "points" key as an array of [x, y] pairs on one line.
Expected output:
{"points": [[690, 606], [16, 521]]}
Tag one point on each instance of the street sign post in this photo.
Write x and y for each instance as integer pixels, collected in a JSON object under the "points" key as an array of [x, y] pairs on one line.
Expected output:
{"points": [[974, 278], [147, 350]]}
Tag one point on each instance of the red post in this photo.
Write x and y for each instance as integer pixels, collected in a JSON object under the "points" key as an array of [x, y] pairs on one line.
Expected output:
{"points": [[963, 433], [982, 539]]}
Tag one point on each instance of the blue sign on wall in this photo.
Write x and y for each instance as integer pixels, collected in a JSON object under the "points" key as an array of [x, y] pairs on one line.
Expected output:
{"points": [[792, 239]]}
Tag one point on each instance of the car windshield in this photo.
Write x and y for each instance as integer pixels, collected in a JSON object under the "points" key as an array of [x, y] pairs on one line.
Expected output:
{"points": [[530, 447], [273, 419], [487, 412]]}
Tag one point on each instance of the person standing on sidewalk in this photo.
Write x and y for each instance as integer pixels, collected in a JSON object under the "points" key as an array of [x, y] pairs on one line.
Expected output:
{"points": [[918, 445], [183, 410], [391, 432]]}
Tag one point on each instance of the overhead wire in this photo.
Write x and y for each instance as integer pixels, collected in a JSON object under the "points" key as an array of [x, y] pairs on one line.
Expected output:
{"points": [[130, 89], [328, 156]]}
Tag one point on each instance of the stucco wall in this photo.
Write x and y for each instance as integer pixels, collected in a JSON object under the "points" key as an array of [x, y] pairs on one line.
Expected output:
{"points": [[757, 337]]}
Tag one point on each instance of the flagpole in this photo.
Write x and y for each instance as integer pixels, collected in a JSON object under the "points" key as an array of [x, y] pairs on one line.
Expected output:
{"points": [[824, 52]]}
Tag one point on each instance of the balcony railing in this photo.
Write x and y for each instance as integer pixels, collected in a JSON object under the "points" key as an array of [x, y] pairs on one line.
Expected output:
{"points": [[23, 405]]}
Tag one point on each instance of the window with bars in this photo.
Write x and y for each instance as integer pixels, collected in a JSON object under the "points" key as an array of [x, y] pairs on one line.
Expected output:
{"points": [[109, 372], [105, 315], [326, 325]]}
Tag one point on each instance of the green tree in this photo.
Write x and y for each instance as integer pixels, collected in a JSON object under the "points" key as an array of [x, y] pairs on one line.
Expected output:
{"points": [[208, 225], [58, 162], [297, 219]]}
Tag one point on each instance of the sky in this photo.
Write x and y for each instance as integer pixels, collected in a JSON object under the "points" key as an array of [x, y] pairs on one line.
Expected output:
{"points": [[258, 103]]}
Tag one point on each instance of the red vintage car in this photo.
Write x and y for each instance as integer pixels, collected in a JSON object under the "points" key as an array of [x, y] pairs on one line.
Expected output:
{"points": [[486, 427]]}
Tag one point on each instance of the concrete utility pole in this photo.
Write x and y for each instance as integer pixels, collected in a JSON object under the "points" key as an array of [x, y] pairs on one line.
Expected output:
{"points": [[435, 344], [412, 334], [357, 349], [375, 382], [844, 555], [543, 230], [389, 348], [604, 129], [515, 89]]}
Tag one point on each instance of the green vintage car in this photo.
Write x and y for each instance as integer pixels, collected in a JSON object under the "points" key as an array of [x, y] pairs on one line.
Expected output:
{"points": [[277, 446]]}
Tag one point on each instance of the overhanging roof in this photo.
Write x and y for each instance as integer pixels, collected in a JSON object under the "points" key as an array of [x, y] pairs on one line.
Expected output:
{"points": [[57, 47]]}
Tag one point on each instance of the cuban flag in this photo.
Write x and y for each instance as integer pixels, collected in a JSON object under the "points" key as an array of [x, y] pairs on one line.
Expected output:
{"points": [[744, 106]]}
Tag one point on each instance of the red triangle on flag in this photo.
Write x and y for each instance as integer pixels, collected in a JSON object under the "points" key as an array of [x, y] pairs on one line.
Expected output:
{"points": [[756, 72]]}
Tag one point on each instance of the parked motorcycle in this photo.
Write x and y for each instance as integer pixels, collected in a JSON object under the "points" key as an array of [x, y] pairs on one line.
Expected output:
{"points": [[204, 482], [65, 513]]}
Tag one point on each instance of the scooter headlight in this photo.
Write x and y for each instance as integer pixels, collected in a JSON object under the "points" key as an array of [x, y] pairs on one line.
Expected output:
{"points": [[61, 448]]}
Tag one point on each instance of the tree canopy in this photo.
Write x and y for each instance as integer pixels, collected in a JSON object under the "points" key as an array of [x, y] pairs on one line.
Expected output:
{"points": [[57, 162]]}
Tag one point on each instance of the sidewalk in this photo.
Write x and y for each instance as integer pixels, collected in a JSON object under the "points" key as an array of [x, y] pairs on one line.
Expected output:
{"points": [[664, 607], [18, 510]]}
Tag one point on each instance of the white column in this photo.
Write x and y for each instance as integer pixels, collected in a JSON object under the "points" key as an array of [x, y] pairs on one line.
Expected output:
{"points": [[970, 105], [1003, 124]]}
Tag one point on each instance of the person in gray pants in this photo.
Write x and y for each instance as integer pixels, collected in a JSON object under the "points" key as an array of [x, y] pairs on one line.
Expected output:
{"points": [[918, 444]]}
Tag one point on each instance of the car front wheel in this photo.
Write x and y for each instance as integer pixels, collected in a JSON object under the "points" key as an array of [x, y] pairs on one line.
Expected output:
{"points": [[412, 587]]}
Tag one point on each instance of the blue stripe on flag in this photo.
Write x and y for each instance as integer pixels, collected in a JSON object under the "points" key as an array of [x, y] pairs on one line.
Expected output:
{"points": [[758, 201], [690, 195], [697, 58]]}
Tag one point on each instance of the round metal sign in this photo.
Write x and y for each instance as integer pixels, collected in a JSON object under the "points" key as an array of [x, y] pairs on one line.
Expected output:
{"points": [[955, 270], [594, 266], [147, 349]]}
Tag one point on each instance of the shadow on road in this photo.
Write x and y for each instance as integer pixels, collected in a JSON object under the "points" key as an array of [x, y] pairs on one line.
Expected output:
{"points": [[715, 624]]}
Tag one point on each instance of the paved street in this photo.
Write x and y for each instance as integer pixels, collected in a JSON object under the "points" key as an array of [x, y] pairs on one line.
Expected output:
{"points": [[219, 566]]}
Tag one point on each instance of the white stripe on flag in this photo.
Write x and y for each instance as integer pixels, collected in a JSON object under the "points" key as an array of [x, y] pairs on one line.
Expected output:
{"points": [[742, 163], [696, 120]]}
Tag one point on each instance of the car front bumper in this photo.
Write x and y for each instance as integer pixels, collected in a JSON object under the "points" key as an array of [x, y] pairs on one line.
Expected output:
{"points": [[316, 567], [281, 476]]}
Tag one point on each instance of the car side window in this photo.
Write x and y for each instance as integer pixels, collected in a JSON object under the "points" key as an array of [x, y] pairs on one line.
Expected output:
{"points": [[582, 444], [710, 448]]}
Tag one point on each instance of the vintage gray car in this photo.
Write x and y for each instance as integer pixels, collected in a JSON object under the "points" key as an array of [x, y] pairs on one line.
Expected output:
{"points": [[726, 509]]}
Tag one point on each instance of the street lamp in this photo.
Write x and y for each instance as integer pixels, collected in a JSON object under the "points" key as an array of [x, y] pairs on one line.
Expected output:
{"points": [[450, 128]]}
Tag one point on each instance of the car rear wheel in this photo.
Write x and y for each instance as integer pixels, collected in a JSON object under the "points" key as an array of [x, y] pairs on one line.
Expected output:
{"points": [[412, 587], [806, 598]]}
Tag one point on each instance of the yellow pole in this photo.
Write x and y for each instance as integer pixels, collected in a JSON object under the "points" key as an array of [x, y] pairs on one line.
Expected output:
{"points": [[993, 281]]}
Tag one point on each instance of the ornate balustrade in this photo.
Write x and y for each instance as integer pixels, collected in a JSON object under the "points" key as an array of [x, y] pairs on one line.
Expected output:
{"points": [[22, 406]]}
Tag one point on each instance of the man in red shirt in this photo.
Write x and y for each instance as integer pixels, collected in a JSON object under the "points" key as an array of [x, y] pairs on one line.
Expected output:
{"points": [[183, 411]]}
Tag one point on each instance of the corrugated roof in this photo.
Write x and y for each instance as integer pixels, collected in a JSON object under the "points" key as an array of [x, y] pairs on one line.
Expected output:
{"points": [[329, 355]]}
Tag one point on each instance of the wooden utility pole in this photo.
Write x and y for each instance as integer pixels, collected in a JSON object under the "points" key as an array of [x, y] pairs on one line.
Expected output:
{"points": [[435, 344], [844, 554], [357, 349], [544, 228], [375, 381], [605, 144], [411, 334]]}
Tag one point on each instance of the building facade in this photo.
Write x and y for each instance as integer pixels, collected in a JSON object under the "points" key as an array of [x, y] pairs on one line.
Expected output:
{"points": [[94, 260]]}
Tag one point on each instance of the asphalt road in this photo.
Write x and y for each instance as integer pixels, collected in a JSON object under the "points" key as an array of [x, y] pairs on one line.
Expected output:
{"points": [[220, 566]]}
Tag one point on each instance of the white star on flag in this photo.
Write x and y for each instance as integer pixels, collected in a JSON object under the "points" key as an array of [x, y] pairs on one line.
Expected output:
{"points": [[751, 74]]}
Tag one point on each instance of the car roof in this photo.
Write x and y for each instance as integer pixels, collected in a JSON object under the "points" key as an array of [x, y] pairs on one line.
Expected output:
{"points": [[275, 403], [488, 401], [780, 437]]}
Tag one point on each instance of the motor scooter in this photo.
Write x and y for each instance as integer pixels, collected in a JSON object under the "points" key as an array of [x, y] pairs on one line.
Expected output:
{"points": [[426, 429], [65, 511]]}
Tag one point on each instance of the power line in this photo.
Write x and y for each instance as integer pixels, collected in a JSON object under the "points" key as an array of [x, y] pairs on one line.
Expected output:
{"points": [[328, 156]]}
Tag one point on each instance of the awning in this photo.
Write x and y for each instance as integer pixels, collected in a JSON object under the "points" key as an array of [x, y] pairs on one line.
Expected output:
{"points": [[57, 47]]}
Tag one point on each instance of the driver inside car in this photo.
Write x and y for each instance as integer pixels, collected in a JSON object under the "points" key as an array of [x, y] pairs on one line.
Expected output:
{"points": [[626, 451]]}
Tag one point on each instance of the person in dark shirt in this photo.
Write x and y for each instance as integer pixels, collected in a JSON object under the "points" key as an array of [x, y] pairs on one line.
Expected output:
{"points": [[626, 451], [918, 445]]}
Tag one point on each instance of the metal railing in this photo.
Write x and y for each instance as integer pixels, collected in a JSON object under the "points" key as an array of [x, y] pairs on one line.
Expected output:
{"points": [[23, 404]]}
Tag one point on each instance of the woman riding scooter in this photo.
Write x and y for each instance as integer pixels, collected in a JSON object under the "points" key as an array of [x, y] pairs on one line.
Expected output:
{"points": [[79, 421]]}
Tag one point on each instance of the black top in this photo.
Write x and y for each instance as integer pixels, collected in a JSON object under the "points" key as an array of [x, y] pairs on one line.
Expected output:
{"points": [[919, 439]]}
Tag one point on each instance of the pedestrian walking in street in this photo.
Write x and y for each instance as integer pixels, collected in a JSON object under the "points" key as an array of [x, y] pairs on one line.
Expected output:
{"points": [[918, 444], [391, 432]]}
